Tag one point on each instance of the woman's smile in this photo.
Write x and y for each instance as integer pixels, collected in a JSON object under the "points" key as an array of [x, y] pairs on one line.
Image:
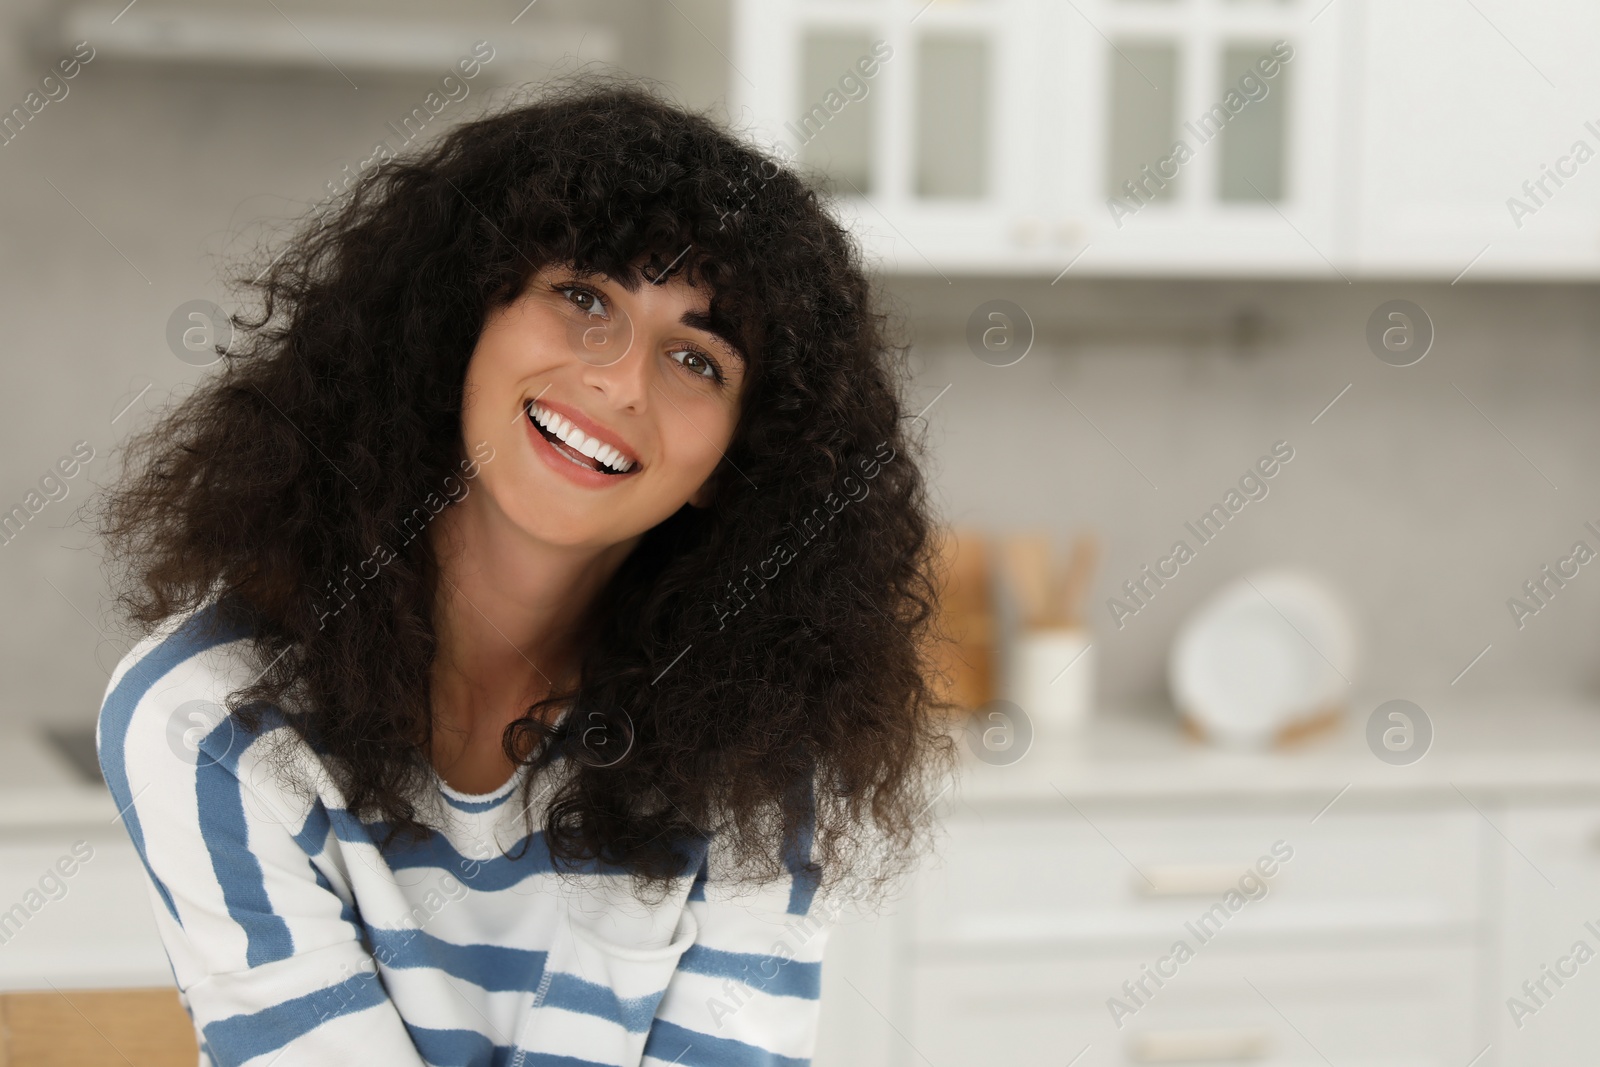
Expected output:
{"points": [[578, 447]]}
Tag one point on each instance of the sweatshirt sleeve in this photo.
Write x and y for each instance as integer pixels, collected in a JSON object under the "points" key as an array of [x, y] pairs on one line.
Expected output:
{"points": [[747, 992], [267, 955]]}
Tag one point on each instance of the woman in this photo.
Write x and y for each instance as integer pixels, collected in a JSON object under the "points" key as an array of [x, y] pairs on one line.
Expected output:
{"points": [[531, 613]]}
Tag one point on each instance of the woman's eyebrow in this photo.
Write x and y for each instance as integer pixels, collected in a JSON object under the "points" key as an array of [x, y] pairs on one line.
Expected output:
{"points": [[698, 320], [701, 320]]}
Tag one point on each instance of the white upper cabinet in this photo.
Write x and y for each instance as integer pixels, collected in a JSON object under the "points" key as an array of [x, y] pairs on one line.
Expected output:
{"points": [[1118, 136], [924, 116], [1481, 139], [1198, 135], [1329, 139]]}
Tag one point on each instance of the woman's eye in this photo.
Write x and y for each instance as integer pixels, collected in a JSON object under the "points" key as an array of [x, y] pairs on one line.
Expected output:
{"points": [[585, 300], [697, 363]]}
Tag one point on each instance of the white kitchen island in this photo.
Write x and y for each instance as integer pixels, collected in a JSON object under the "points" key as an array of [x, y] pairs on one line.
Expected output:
{"points": [[1416, 900]]}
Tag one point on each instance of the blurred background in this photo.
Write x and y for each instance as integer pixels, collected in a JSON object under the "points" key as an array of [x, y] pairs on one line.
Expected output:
{"points": [[1256, 348]]}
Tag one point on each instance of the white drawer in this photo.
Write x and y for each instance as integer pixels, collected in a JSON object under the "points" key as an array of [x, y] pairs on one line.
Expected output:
{"points": [[75, 912], [1031, 881], [1356, 1008], [1543, 923]]}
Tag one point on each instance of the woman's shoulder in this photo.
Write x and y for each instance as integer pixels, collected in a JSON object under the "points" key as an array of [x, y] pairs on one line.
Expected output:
{"points": [[182, 640], [165, 709], [199, 654]]}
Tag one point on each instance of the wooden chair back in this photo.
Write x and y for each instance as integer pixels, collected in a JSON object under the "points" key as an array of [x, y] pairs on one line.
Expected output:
{"points": [[142, 1027]]}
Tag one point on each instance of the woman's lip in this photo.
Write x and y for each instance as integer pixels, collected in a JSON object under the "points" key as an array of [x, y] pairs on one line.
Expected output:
{"points": [[589, 427], [583, 476]]}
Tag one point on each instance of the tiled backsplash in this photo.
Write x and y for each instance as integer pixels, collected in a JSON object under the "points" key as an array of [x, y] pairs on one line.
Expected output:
{"points": [[1427, 495]]}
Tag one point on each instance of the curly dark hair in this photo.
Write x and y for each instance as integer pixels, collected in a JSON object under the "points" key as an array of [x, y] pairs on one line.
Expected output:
{"points": [[804, 715]]}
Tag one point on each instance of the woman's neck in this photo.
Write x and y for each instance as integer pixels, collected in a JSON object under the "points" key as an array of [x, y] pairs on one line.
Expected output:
{"points": [[506, 614]]}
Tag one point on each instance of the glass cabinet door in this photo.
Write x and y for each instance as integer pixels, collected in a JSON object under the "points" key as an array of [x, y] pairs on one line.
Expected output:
{"points": [[914, 114], [1205, 135]]}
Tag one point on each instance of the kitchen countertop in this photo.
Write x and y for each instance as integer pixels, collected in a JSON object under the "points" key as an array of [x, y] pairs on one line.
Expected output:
{"points": [[40, 788], [101, 935], [1538, 745], [1525, 745]]}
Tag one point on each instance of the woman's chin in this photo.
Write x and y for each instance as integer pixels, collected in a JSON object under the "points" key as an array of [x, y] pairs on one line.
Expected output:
{"points": [[568, 524]]}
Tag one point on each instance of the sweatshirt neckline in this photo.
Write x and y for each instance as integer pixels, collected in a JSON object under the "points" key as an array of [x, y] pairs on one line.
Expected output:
{"points": [[481, 802], [478, 802]]}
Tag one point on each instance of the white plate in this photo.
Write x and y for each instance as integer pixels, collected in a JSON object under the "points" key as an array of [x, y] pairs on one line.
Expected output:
{"points": [[1263, 652]]}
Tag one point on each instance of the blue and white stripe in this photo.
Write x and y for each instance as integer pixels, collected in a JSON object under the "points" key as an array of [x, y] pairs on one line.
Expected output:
{"points": [[295, 939]]}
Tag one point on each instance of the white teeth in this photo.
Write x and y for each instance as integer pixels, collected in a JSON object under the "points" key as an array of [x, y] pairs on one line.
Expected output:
{"points": [[579, 441]]}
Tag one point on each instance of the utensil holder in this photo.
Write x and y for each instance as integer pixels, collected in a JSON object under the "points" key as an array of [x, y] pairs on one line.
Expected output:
{"points": [[1052, 678]]}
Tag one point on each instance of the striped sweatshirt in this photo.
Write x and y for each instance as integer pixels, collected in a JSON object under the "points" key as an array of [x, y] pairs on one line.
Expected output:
{"points": [[294, 939]]}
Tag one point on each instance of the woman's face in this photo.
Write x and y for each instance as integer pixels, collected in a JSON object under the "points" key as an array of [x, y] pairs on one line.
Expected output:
{"points": [[608, 410]]}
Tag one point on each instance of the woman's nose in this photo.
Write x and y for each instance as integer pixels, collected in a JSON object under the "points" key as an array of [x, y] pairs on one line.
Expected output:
{"points": [[616, 361], [600, 340]]}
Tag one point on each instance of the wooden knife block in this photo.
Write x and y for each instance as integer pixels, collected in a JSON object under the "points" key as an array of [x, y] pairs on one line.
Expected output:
{"points": [[965, 661]]}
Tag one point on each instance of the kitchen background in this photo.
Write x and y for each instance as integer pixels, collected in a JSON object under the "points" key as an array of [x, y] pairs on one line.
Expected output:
{"points": [[1152, 342]]}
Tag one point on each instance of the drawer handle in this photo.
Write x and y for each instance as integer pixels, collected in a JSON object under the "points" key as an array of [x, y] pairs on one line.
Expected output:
{"points": [[1191, 1046], [1190, 879]]}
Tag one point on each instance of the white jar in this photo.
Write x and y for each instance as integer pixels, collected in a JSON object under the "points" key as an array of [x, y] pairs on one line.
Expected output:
{"points": [[1051, 678]]}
